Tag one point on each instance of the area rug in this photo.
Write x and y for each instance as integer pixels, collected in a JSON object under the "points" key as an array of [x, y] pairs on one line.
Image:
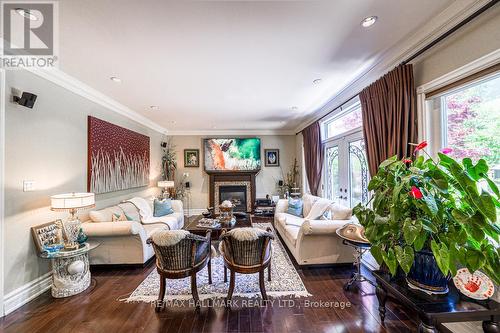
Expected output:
{"points": [[285, 281]]}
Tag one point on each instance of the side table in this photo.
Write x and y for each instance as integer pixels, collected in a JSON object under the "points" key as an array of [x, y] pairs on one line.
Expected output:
{"points": [[433, 310], [70, 270]]}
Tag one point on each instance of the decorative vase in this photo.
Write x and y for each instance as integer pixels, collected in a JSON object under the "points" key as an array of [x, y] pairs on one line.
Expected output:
{"points": [[425, 274], [226, 214]]}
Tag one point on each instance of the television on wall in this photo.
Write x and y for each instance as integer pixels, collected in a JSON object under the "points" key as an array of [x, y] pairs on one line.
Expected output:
{"points": [[233, 154]]}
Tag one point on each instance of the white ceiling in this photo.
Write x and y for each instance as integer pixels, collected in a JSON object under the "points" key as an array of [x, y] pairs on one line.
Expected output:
{"points": [[229, 65]]}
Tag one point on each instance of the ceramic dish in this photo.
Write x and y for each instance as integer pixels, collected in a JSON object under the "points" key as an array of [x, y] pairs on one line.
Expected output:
{"points": [[354, 233], [476, 286]]}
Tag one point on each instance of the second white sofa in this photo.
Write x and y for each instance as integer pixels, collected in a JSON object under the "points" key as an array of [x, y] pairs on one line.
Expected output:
{"points": [[313, 242]]}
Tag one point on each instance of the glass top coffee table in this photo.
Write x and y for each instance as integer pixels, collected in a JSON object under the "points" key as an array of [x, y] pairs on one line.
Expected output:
{"points": [[240, 222]]}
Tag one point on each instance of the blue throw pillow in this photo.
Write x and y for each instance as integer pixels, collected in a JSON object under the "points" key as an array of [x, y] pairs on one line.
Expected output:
{"points": [[295, 206], [162, 207]]}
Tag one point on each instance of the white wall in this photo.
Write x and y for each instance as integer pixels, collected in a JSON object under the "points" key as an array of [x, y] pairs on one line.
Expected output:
{"points": [[266, 180], [48, 144]]}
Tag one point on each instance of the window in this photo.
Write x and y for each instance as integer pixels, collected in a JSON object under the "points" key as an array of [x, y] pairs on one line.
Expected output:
{"points": [[345, 178]]}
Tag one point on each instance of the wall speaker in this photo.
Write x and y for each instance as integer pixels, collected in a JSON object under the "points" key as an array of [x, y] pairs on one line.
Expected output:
{"points": [[188, 185], [27, 99], [280, 183], [164, 145]]}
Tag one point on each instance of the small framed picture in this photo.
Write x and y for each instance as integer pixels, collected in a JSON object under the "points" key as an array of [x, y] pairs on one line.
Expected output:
{"points": [[272, 157], [191, 158]]}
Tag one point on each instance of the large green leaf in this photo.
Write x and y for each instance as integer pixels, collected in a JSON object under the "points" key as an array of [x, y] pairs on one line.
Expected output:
{"points": [[431, 204], [492, 185], [442, 256], [405, 257], [411, 229], [388, 162], [419, 243], [376, 251], [474, 260], [486, 205], [390, 261]]}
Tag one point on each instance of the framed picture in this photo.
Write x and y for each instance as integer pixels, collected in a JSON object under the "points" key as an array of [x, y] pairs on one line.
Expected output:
{"points": [[272, 157], [191, 158], [46, 234]]}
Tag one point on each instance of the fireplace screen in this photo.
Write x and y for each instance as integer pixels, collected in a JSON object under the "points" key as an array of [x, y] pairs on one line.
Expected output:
{"points": [[236, 194]]}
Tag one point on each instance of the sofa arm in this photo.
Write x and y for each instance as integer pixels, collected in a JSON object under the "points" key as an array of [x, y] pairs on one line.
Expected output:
{"points": [[106, 229], [177, 206], [322, 227], [281, 206]]}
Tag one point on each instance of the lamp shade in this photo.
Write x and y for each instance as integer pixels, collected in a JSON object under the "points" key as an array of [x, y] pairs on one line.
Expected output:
{"points": [[68, 201], [166, 183]]}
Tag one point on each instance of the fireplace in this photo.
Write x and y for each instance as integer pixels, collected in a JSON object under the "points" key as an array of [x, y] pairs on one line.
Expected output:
{"points": [[238, 187], [237, 194]]}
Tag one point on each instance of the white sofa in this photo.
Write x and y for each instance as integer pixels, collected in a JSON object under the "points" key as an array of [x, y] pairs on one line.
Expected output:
{"points": [[124, 242], [314, 242]]}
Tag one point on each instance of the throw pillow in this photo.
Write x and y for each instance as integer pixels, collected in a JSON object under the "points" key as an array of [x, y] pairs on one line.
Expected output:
{"points": [[341, 212], [162, 207], [318, 208], [119, 217], [295, 206]]}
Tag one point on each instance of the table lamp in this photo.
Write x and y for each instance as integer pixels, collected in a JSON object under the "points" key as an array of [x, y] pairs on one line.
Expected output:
{"points": [[72, 202], [165, 184]]}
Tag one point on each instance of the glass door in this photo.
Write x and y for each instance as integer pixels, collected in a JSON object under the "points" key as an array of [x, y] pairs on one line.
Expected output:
{"points": [[345, 178]]}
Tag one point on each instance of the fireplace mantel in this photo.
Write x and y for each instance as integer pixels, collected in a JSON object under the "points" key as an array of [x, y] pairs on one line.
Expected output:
{"points": [[228, 177]]}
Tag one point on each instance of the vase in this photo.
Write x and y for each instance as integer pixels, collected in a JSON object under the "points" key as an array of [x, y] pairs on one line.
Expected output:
{"points": [[425, 274]]}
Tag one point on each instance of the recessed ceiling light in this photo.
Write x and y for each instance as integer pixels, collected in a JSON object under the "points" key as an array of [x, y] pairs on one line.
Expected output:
{"points": [[369, 21], [115, 79], [294, 108], [154, 107], [26, 13], [317, 81]]}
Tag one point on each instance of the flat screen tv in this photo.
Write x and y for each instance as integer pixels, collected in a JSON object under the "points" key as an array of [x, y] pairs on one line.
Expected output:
{"points": [[232, 154]]}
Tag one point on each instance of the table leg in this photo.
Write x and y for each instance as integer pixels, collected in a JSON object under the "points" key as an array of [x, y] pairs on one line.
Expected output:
{"points": [[382, 298], [491, 326], [425, 328]]}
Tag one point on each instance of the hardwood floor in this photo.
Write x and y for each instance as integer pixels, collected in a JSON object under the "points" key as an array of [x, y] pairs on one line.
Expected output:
{"points": [[98, 309]]}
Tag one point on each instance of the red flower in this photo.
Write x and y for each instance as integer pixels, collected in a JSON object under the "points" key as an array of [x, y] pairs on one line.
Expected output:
{"points": [[407, 161], [420, 146], [415, 192], [446, 151]]}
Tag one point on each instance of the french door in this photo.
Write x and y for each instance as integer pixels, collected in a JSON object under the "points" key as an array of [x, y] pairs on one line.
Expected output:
{"points": [[345, 176]]}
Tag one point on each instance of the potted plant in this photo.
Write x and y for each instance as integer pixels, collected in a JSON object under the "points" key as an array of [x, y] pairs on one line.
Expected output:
{"points": [[430, 217]]}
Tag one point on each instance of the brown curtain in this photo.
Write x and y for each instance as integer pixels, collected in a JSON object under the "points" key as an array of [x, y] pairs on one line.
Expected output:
{"points": [[313, 156], [389, 116]]}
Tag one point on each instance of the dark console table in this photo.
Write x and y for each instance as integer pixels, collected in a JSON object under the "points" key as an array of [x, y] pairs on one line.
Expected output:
{"points": [[433, 310]]}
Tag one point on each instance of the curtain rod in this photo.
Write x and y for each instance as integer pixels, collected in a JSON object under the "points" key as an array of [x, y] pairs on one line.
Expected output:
{"points": [[425, 48]]}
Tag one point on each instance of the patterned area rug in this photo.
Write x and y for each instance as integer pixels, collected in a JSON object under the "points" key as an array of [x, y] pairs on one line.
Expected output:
{"points": [[285, 281]]}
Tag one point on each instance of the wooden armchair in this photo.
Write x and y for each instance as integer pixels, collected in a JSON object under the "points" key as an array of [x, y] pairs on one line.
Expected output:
{"points": [[182, 259], [246, 256]]}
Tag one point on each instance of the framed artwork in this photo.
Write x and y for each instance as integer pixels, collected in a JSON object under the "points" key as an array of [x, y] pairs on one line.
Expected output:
{"points": [[272, 157], [191, 158], [118, 158], [46, 234], [232, 154]]}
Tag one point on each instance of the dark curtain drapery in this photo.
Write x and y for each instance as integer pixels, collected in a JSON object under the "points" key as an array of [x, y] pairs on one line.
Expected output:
{"points": [[313, 156], [389, 116]]}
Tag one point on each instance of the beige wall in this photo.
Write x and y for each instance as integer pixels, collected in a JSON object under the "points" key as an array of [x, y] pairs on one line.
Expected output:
{"points": [[48, 144], [476, 39], [266, 180]]}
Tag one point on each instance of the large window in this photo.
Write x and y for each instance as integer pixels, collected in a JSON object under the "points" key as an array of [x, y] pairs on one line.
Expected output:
{"points": [[345, 178], [467, 120]]}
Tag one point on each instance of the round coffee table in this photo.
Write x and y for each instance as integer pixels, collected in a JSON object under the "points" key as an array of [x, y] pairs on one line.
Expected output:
{"points": [[70, 270]]}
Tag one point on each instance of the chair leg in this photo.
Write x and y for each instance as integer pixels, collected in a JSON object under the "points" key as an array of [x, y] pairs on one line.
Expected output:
{"points": [[269, 272], [225, 274], [161, 295], [194, 290], [209, 270], [262, 286], [231, 288]]}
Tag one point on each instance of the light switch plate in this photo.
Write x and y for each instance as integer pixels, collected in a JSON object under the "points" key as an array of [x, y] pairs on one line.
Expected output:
{"points": [[28, 185]]}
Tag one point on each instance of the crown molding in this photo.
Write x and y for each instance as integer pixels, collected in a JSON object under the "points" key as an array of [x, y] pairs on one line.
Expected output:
{"points": [[230, 132], [447, 19]]}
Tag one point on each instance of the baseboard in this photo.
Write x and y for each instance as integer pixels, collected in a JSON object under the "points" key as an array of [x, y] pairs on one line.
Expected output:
{"points": [[22, 295]]}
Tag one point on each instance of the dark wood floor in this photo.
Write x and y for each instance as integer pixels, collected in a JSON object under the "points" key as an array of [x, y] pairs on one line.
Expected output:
{"points": [[99, 309]]}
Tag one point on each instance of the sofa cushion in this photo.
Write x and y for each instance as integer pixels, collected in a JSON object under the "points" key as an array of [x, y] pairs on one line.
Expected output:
{"points": [[105, 214], [119, 217], [295, 206], [291, 233], [162, 207], [293, 220], [340, 212], [309, 201], [130, 211]]}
